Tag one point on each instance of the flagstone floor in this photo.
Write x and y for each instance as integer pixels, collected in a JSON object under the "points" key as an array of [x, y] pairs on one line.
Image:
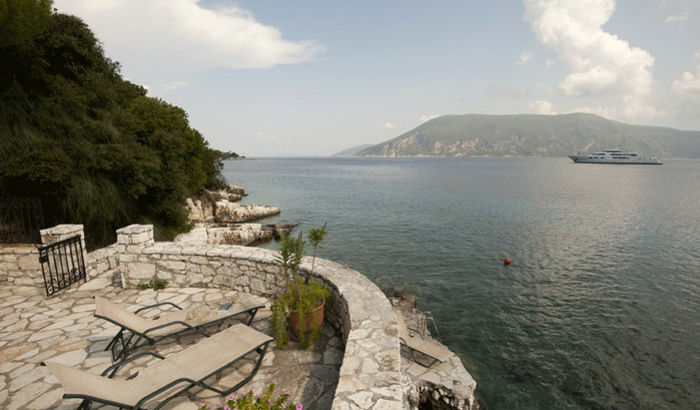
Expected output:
{"points": [[62, 328]]}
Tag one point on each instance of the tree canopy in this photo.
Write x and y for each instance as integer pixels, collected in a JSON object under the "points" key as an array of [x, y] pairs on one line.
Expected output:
{"points": [[92, 146]]}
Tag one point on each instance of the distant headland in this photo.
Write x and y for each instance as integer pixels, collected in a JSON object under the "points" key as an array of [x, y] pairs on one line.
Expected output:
{"points": [[478, 135]]}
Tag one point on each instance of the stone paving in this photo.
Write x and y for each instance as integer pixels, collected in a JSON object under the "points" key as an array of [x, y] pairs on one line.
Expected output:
{"points": [[62, 328]]}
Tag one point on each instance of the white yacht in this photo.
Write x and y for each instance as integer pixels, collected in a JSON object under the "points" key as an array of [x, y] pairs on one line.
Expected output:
{"points": [[614, 156]]}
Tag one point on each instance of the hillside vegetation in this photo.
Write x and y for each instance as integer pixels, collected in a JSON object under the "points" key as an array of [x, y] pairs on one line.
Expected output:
{"points": [[535, 135], [88, 143]]}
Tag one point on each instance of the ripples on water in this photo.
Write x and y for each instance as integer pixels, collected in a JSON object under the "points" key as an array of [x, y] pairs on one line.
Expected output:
{"points": [[600, 308]]}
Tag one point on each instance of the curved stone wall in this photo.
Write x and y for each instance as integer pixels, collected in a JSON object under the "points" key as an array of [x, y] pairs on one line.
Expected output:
{"points": [[370, 375]]}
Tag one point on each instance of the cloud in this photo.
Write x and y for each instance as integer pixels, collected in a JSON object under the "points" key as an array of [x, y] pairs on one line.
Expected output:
{"points": [[173, 85], [388, 125], [525, 56], [182, 36], [601, 63], [542, 107], [689, 82], [674, 18], [427, 117], [602, 111]]}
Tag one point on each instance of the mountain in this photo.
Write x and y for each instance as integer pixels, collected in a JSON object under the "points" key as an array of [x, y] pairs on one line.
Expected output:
{"points": [[351, 151], [535, 135]]}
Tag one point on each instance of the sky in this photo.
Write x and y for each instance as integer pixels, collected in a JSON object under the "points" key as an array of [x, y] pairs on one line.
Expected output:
{"points": [[283, 78]]}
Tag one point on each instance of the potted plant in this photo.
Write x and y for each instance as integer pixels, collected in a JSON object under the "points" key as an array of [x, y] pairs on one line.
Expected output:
{"points": [[301, 308]]}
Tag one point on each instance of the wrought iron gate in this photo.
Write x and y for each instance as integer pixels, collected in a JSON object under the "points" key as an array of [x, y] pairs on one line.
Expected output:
{"points": [[62, 263]]}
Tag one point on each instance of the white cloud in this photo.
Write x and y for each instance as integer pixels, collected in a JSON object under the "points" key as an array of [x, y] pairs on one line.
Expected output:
{"points": [[674, 18], [602, 111], [427, 117], [388, 125], [172, 85], [542, 107], [182, 36], [525, 56], [689, 82], [601, 63]]}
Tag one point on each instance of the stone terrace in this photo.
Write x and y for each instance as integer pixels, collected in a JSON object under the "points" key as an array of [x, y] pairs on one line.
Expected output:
{"points": [[357, 364], [34, 328]]}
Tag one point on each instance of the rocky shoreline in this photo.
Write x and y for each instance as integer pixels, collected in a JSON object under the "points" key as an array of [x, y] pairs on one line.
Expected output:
{"points": [[219, 219]]}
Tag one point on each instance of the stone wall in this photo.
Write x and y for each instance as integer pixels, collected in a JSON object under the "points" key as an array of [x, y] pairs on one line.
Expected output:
{"points": [[370, 376], [19, 265], [104, 263]]}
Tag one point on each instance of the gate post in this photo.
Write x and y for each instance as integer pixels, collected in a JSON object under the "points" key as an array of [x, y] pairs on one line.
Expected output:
{"points": [[131, 240], [65, 231]]}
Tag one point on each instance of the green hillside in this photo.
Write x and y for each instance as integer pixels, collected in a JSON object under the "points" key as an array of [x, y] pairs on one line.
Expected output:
{"points": [[87, 144], [535, 135]]}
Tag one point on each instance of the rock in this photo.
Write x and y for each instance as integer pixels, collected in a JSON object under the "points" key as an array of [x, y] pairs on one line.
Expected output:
{"points": [[220, 206], [236, 234]]}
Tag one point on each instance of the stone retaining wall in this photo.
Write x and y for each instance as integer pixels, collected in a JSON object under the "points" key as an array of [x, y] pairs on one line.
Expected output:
{"points": [[104, 263], [19, 264], [370, 376]]}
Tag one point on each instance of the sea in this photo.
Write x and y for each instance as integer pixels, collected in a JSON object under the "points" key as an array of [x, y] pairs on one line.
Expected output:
{"points": [[600, 307]]}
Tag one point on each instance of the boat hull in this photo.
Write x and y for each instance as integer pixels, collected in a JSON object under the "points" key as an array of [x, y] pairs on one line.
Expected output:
{"points": [[586, 160]]}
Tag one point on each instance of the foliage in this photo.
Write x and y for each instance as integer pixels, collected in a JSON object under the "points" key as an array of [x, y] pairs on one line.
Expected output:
{"points": [[89, 144], [302, 296], [316, 236], [232, 155], [156, 284], [251, 401]]}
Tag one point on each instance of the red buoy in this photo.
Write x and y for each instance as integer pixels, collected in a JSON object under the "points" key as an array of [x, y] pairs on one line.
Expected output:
{"points": [[506, 261]]}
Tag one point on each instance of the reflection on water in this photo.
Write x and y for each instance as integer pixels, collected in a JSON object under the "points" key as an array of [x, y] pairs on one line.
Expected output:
{"points": [[600, 307]]}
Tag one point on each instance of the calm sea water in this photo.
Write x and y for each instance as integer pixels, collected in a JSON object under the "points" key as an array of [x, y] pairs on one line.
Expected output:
{"points": [[601, 305]]}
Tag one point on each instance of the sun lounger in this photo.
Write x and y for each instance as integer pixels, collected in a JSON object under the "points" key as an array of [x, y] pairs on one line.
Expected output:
{"points": [[168, 378], [142, 331], [433, 350]]}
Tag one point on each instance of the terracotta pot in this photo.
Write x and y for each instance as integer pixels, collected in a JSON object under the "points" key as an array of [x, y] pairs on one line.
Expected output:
{"points": [[311, 319]]}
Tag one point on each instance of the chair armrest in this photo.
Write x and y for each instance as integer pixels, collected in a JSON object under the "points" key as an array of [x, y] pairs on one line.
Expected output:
{"points": [[113, 368], [176, 322], [415, 332]]}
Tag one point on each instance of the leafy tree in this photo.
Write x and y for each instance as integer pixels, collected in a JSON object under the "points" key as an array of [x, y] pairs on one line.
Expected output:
{"points": [[90, 145]]}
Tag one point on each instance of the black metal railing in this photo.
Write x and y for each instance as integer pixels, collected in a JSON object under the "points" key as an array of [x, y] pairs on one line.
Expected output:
{"points": [[20, 220], [62, 264]]}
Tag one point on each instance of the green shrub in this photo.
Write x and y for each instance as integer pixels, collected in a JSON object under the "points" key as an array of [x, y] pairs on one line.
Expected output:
{"points": [[251, 401], [303, 296]]}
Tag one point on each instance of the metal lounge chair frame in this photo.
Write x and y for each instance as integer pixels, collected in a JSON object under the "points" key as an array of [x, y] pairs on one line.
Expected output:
{"points": [[138, 339], [109, 372], [434, 351]]}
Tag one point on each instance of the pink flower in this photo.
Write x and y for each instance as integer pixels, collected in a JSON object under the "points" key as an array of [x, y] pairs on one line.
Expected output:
{"points": [[230, 397], [299, 406], [227, 408], [287, 392], [201, 404], [218, 405]]}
